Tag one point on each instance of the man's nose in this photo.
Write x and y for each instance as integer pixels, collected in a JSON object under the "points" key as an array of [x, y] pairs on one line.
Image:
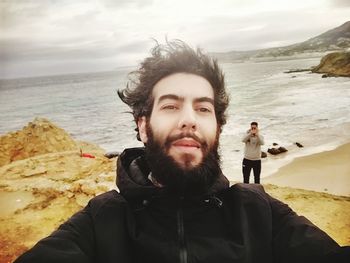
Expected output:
{"points": [[188, 119]]}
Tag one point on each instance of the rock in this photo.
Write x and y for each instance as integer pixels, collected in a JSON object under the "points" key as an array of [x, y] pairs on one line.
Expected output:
{"points": [[59, 183], [336, 64], [275, 144], [263, 154], [275, 151], [299, 145], [297, 70], [82, 199], [111, 155], [38, 137], [36, 171], [282, 149]]}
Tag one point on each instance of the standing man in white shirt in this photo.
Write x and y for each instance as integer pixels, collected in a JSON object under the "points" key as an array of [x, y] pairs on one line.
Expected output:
{"points": [[252, 153]]}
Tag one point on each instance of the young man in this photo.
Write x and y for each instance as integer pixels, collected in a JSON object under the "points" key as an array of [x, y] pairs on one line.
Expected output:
{"points": [[175, 205], [252, 153]]}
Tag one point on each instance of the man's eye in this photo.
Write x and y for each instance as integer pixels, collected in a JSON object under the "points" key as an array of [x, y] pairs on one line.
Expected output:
{"points": [[202, 109], [169, 107]]}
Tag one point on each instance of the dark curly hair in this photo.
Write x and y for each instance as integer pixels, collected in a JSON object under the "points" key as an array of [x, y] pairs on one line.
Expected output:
{"points": [[173, 57]]}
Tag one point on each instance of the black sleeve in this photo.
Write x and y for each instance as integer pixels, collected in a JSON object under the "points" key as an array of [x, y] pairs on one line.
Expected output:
{"points": [[72, 242], [296, 239]]}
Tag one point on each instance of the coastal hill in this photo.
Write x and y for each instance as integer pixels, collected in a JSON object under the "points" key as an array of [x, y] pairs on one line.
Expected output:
{"points": [[337, 39]]}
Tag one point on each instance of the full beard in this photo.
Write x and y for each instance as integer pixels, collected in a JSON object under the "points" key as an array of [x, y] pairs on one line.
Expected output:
{"points": [[183, 180]]}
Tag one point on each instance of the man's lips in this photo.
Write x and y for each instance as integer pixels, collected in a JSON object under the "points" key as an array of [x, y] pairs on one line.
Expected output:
{"points": [[187, 142]]}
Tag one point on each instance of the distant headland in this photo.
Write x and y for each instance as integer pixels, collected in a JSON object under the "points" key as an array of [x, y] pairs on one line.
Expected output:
{"points": [[334, 40]]}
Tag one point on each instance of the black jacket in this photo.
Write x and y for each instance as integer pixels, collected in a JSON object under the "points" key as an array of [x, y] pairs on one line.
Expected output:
{"points": [[144, 223]]}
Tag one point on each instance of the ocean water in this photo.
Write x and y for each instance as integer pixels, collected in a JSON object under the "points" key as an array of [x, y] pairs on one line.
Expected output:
{"points": [[296, 107]]}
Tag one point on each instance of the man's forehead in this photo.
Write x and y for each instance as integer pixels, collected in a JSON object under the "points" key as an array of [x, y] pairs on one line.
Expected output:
{"points": [[183, 85]]}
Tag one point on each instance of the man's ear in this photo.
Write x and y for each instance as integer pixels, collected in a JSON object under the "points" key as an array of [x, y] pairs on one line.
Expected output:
{"points": [[141, 124]]}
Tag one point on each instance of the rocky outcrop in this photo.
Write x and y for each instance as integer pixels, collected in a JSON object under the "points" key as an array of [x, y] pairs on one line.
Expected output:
{"points": [[45, 182], [38, 137], [275, 151], [335, 64], [299, 145]]}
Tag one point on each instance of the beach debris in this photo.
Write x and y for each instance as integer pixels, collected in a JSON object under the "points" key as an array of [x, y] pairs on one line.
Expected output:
{"points": [[275, 151], [299, 145], [263, 154], [86, 155], [111, 155]]}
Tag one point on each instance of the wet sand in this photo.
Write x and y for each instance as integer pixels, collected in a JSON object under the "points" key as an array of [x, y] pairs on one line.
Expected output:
{"points": [[327, 172]]}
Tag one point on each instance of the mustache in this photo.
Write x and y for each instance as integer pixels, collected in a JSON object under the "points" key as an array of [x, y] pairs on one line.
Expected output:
{"points": [[172, 138]]}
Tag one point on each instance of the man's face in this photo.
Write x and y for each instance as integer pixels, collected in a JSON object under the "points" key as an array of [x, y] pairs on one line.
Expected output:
{"points": [[183, 118], [253, 129]]}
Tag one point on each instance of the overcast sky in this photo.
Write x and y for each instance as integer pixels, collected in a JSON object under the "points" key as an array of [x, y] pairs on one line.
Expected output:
{"points": [[46, 37]]}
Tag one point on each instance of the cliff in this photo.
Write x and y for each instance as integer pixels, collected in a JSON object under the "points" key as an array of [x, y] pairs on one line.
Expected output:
{"points": [[334, 64]]}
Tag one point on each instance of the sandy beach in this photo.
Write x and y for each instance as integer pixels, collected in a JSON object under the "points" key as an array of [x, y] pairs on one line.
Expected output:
{"points": [[43, 182], [327, 172]]}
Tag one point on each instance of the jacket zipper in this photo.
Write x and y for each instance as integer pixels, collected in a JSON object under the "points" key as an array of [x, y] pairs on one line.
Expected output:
{"points": [[181, 235]]}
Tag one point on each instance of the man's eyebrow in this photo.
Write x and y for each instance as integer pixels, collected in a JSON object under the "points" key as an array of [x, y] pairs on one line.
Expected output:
{"points": [[204, 99], [178, 98], [170, 97]]}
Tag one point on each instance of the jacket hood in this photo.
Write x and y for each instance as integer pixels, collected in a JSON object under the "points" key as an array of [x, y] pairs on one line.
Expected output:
{"points": [[132, 176]]}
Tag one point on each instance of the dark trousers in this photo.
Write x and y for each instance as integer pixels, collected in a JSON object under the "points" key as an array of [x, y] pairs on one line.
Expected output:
{"points": [[247, 166]]}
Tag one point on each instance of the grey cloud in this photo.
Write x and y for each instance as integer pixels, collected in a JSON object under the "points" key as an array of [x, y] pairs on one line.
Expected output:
{"points": [[12, 14], [127, 3], [21, 50], [134, 47], [78, 21], [339, 3]]}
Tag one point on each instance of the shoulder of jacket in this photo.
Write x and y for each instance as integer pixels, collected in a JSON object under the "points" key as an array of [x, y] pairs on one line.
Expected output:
{"points": [[110, 199], [249, 191]]}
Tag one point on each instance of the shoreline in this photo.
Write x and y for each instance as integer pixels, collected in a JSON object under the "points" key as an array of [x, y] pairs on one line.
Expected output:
{"points": [[326, 171]]}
